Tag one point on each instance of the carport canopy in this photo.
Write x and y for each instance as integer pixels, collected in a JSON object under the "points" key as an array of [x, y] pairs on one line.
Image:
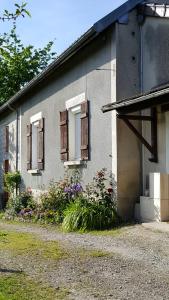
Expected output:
{"points": [[159, 96], [152, 99]]}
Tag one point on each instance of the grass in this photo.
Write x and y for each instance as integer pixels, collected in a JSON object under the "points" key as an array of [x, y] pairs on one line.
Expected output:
{"points": [[20, 286], [17, 285], [97, 253], [83, 253], [110, 232], [25, 223], [24, 243]]}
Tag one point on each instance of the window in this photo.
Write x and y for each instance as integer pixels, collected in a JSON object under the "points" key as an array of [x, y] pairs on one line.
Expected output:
{"points": [[35, 143], [74, 130], [75, 133]]}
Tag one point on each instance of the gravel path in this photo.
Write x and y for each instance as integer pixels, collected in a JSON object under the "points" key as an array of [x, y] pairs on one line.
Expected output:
{"points": [[136, 265]]}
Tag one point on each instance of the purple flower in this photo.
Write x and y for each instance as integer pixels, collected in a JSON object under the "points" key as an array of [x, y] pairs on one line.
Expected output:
{"points": [[73, 189], [67, 190], [21, 212]]}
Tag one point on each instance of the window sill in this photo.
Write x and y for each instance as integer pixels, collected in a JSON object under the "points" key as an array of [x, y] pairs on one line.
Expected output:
{"points": [[74, 163], [36, 171]]}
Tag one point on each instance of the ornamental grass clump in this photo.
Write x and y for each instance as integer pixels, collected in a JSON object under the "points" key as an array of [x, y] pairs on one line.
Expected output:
{"points": [[83, 215], [94, 208]]}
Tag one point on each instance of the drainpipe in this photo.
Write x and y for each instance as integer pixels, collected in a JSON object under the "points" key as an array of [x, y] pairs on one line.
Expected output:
{"points": [[17, 134], [141, 90]]}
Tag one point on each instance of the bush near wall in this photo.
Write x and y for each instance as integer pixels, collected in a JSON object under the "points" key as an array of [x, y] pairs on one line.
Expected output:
{"points": [[66, 202]]}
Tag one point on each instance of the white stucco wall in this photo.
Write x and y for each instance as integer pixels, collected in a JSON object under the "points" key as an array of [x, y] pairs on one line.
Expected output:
{"points": [[155, 67], [10, 121], [128, 146]]}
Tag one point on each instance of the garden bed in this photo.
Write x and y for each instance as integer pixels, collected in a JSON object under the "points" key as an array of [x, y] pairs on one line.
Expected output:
{"points": [[66, 202]]}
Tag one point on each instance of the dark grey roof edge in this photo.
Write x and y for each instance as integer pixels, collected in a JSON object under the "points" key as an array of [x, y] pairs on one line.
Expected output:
{"points": [[97, 28], [116, 14]]}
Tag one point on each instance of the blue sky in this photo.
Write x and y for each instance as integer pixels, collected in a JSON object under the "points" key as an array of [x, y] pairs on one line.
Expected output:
{"points": [[60, 20]]}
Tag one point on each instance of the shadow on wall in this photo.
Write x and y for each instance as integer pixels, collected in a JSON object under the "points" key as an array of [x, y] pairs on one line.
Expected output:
{"points": [[12, 146]]}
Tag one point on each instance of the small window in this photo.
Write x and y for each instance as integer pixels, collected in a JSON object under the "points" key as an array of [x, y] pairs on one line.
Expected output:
{"points": [[74, 131], [35, 144]]}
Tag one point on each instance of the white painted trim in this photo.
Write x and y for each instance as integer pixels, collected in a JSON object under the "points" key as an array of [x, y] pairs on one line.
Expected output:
{"points": [[75, 101], [76, 109], [73, 163], [36, 124], [36, 117], [36, 171]]}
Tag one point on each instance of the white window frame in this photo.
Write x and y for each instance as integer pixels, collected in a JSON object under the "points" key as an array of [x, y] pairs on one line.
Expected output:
{"points": [[73, 106], [34, 120]]}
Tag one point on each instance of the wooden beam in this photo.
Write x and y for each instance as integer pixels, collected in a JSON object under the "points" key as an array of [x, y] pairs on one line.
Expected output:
{"points": [[153, 118], [154, 157], [165, 108], [138, 134]]}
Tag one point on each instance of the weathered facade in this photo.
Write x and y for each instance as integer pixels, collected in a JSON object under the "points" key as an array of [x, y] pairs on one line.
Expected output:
{"points": [[122, 55]]}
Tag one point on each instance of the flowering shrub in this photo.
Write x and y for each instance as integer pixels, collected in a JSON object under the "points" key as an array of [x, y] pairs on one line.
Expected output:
{"points": [[101, 190], [67, 201], [21, 201], [93, 208], [26, 213], [43, 217], [73, 190], [55, 198], [11, 181]]}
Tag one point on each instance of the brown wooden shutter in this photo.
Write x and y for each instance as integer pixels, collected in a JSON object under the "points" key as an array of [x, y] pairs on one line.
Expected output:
{"points": [[85, 130], [6, 165], [41, 150], [64, 135], [29, 146], [7, 139]]}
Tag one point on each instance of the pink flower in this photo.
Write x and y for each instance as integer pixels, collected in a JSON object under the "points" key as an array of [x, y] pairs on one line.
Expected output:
{"points": [[29, 190]]}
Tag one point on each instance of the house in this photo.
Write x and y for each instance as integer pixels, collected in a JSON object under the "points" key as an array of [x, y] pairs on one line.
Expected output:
{"points": [[56, 122]]}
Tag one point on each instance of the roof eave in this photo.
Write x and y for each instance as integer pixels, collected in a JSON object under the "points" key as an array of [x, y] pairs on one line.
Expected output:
{"points": [[116, 15], [139, 103], [84, 40], [94, 31]]}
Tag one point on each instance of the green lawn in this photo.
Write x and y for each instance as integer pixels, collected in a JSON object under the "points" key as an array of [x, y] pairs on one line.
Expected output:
{"points": [[21, 287], [16, 285], [22, 243]]}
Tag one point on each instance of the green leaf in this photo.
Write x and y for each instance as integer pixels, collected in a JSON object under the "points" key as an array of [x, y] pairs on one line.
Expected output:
{"points": [[19, 63]]}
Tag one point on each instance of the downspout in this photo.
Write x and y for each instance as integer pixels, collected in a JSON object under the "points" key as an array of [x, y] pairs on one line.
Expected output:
{"points": [[17, 133], [141, 90]]}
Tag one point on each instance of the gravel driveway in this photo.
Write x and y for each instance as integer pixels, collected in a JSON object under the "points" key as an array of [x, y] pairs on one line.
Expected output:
{"points": [[132, 264]]}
